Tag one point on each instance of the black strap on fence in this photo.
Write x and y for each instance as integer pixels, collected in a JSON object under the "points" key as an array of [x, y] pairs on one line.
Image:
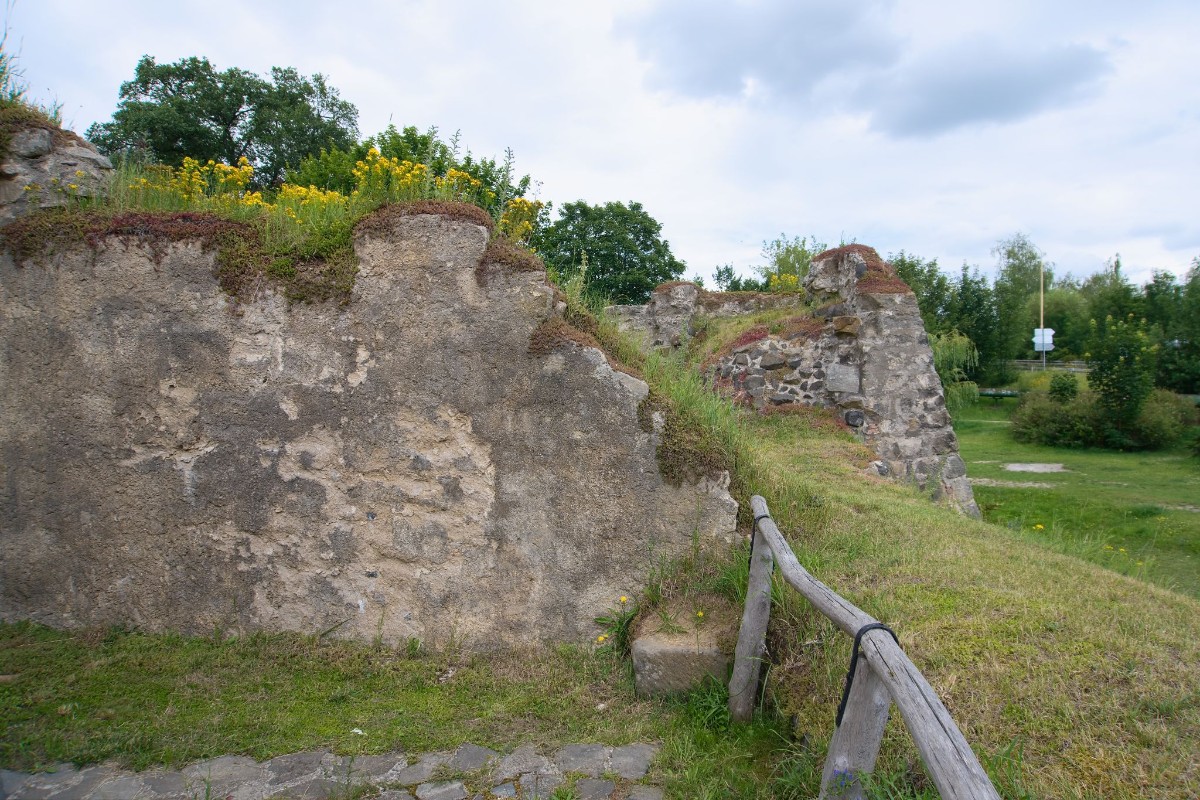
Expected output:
{"points": [[754, 530], [854, 662]]}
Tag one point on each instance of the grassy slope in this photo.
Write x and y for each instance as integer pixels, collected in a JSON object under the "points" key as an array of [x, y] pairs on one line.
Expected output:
{"points": [[1091, 673]]}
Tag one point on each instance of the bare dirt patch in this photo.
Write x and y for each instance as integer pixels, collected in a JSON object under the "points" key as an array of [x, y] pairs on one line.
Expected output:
{"points": [[1035, 468], [1011, 484]]}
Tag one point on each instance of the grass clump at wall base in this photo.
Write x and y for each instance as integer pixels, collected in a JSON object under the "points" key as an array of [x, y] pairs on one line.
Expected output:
{"points": [[687, 452]]}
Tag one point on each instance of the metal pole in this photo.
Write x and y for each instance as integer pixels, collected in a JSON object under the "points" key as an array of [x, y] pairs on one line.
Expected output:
{"points": [[1042, 308]]}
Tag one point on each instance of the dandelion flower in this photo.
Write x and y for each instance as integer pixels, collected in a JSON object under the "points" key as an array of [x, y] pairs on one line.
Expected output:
{"points": [[600, 639], [1039, 527], [624, 599], [700, 614]]}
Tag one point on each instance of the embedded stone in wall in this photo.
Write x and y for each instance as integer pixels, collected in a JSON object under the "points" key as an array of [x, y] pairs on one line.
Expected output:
{"points": [[843, 378]]}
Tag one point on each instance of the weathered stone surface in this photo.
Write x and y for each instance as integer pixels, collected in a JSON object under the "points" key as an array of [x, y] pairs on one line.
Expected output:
{"points": [[236, 777], [11, 782], [539, 786], [665, 663], [632, 761], [423, 770], [524, 759], [845, 378], [470, 757], [846, 325], [588, 759], [442, 790], [645, 793], [377, 769], [319, 775], [403, 467], [43, 168], [293, 767], [593, 789], [772, 361]]}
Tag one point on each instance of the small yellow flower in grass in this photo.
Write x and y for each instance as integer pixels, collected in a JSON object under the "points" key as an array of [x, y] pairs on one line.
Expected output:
{"points": [[624, 599], [600, 639], [1039, 527], [1122, 550], [700, 614]]}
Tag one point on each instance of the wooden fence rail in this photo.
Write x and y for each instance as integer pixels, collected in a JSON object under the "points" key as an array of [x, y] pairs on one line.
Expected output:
{"points": [[884, 675], [1028, 365]]}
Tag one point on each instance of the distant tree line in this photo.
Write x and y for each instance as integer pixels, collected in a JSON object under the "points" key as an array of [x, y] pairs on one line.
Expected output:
{"points": [[999, 316]]}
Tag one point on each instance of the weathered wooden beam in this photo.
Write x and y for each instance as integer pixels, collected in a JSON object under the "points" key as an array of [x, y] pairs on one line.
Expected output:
{"points": [[948, 758], [842, 612], [752, 637], [855, 743]]}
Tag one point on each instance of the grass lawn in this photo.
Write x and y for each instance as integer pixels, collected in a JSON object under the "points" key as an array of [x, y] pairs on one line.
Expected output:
{"points": [[1135, 513]]}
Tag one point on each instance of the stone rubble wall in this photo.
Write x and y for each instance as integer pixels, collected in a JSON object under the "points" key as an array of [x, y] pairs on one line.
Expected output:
{"points": [[45, 168], [669, 318], [403, 467], [865, 355]]}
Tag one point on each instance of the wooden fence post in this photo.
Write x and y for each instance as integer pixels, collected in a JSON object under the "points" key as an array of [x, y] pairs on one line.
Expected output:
{"points": [[752, 637], [855, 742]]}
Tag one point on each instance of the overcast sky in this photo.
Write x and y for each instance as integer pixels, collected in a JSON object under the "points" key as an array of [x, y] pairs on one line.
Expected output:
{"points": [[930, 126]]}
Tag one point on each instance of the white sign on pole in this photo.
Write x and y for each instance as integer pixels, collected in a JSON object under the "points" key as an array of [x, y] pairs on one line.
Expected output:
{"points": [[1043, 339]]}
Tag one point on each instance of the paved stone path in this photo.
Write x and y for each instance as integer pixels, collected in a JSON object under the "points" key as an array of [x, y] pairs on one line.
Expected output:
{"points": [[595, 772]]}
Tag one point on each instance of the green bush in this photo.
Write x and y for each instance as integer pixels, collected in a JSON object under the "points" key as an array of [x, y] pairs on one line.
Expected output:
{"points": [[1164, 418], [1041, 420], [1081, 422], [1063, 387]]}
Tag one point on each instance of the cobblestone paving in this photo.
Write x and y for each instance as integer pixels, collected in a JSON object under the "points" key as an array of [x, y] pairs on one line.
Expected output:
{"points": [[578, 771]]}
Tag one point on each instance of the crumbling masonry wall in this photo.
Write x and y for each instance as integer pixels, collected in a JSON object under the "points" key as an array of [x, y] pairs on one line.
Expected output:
{"points": [[864, 355], [401, 467]]}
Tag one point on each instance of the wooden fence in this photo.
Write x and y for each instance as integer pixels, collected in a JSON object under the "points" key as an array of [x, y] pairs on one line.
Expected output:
{"points": [[882, 675], [1062, 366]]}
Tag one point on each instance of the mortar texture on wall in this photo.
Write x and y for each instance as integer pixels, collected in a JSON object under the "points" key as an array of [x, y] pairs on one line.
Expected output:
{"points": [[401, 467], [864, 355]]}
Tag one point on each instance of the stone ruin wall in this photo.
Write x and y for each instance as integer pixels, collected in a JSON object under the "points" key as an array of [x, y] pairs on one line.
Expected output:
{"points": [[401, 467], [45, 167], [865, 356]]}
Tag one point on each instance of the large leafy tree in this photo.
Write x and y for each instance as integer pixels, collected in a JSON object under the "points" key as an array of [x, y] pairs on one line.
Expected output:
{"points": [[931, 286], [1018, 278], [621, 244], [971, 310], [188, 108]]}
